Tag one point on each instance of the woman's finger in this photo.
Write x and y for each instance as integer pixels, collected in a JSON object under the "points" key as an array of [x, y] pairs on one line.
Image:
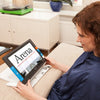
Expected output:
{"points": [[17, 89], [29, 83]]}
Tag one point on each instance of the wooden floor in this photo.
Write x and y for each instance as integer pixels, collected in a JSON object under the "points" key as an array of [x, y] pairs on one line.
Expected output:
{"points": [[45, 53], [1, 61], [7, 46]]}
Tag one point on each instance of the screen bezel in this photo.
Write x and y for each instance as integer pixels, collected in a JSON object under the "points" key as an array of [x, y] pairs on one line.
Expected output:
{"points": [[34, 70]]}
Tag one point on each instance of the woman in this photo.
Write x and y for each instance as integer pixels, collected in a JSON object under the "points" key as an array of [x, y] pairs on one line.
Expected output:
{"points": [[82, 80]]}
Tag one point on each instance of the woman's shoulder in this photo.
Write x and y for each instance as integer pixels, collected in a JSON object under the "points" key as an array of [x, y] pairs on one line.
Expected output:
{"points": [[85, 54], [81, 58]]}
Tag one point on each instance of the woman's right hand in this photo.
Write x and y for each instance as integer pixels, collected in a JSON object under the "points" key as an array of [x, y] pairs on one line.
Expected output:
{"points": [[51, 62], [55, 64]]}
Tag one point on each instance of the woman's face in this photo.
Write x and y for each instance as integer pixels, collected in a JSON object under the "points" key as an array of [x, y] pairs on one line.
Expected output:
{"points": [[87, 41]]}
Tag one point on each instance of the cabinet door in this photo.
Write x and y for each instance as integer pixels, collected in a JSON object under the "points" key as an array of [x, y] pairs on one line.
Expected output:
{"points": [[5, 30], [23, 29]]}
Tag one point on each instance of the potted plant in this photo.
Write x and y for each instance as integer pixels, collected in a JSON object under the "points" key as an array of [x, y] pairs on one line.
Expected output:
{"points": [[56, 5]]}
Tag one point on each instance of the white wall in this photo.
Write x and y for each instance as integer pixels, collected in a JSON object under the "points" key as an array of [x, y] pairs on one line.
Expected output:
{"points": [[68, 32], [5, 2], [86, 2]]}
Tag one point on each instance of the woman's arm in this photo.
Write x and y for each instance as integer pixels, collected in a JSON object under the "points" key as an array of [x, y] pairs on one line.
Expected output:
{"points": [[56, 65], [27, 91]]}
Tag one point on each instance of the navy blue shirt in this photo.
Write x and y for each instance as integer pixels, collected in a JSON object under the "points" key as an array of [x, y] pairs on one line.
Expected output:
{"points": [[81, 82]]}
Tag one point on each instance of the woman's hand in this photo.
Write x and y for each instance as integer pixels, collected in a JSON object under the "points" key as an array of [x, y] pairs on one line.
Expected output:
{"points": [[27, 91], [51, 62], [56, 65]]}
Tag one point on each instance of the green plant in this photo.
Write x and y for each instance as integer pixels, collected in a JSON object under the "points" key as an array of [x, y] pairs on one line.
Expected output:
{"points": [[67, 1]]}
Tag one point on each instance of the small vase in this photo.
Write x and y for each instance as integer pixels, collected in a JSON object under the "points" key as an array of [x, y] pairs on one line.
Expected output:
{"points": [[56, 6]]}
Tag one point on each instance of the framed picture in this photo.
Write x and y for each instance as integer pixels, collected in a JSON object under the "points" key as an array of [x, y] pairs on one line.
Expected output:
{"points": [[77, 2]]}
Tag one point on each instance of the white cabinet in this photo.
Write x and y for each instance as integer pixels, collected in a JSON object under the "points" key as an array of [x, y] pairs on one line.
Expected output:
{"points": [[5, 33], [68, 33], [41, 27]]}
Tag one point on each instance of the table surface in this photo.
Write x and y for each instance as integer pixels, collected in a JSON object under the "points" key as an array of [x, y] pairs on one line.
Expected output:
{"points": [[45, 16]]}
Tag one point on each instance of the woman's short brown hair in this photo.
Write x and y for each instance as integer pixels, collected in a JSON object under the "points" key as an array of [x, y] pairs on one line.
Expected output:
{"points": [[89, 21]]}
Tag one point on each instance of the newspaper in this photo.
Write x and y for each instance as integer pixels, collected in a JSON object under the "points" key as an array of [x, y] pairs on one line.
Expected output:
{"points": [[9, 76]]}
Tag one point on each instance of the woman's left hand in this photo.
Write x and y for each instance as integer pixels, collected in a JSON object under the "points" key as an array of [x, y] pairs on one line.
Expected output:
{"points": [[25, 90]]}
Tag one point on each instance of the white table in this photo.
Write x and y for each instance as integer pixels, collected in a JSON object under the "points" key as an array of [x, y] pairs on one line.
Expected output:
{"points": [[41, 27]]}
